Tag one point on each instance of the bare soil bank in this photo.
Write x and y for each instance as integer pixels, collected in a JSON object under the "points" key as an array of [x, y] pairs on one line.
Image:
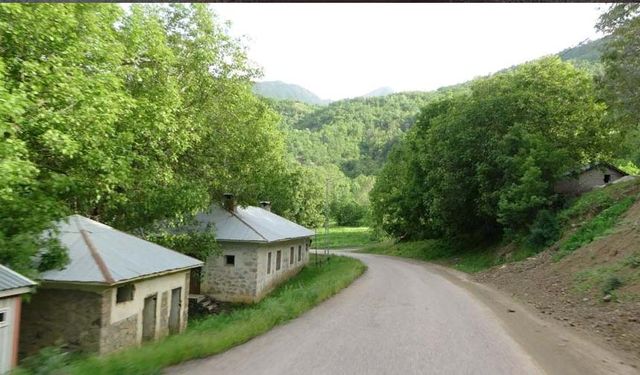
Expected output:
{"points": [[572, 290]]}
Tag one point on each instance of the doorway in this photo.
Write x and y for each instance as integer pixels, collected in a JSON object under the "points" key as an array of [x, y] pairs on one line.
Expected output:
{"points": [[195, 279], [149, 318], [174, 312]]}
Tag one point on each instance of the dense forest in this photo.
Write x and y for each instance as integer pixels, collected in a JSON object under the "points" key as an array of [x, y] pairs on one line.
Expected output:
{"points": [[343, 145]]}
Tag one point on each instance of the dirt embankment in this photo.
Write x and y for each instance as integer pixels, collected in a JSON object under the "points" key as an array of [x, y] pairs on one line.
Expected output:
{"points": [[595, 289]]}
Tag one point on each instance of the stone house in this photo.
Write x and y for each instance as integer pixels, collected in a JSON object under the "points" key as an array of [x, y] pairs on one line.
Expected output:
{"points": [[588, 178], [12, 287], [117, 291], [259, 251]]}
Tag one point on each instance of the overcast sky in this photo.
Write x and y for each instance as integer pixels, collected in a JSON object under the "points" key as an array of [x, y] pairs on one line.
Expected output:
{"points": [[346, 50]]}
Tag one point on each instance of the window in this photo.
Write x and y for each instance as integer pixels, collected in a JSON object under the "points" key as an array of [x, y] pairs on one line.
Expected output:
{"points": [[306, 248], [299, 253], [607, 178], [4, 317], [230, 260], [125, 293], [291, 256], [278, 260], [269, 263]]}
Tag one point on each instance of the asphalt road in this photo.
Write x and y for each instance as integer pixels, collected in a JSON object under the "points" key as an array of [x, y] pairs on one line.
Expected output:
{"points": [[404, 317]]}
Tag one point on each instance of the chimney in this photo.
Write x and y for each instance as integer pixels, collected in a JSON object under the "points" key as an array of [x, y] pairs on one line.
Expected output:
{"points": [[229, 202], [265, 205]]}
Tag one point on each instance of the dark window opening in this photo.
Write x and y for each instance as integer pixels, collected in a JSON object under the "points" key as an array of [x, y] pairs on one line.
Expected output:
{"points": [[299, 253], [269, 263], [230, 260], [291, 256], [278, 260], [3, 318], [125, 293], [607, 178]]}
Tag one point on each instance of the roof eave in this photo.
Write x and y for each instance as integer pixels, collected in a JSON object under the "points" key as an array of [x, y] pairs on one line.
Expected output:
{"points": [[123, 281]]}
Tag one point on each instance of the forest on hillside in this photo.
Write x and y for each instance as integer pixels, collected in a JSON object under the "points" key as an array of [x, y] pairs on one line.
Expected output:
{"points": [[482, 164]]}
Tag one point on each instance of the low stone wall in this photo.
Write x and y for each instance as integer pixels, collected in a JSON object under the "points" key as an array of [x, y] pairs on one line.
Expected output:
{"points": [[119, 335], [60, 316]]}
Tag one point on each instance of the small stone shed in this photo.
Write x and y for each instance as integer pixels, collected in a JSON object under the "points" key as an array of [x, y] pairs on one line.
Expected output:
{"points": [[12, 287], [587, 178], [259, 251], [117, 291]]}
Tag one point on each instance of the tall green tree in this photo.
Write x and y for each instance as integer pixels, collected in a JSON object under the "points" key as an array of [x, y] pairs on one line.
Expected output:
{"points": [[620, 83], [486, 162]]}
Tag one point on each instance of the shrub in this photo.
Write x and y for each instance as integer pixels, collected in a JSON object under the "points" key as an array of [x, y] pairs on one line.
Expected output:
{"points": [[49, 360], [544, 231], [350, 213], [611, 283]]}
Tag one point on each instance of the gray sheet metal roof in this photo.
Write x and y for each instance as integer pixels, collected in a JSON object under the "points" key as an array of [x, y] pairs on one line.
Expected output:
{"points": [[101, 254], [10, 279], [250, 224]]}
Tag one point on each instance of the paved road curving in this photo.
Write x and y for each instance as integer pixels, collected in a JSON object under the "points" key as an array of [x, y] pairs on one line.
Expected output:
{"points": [[400, 317]]}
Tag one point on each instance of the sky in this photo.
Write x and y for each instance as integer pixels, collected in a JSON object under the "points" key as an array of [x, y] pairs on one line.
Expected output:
{"points": [[346, 50]]}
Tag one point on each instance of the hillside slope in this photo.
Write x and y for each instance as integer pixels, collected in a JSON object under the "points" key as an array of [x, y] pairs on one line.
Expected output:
{"points": [[595, 288], [286, 91]]}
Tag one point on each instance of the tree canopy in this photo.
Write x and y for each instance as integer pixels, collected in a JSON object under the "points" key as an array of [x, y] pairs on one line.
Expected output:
{"points": [[127, 118], [486, 162]]}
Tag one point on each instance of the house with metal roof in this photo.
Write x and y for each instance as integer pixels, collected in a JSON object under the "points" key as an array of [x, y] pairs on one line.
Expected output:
{"points": [[12, 287], [588, 177], [117, 291], [259, 250]]}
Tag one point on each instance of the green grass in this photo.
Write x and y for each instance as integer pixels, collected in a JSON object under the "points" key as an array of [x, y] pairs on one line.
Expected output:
{"points": [[594, 228], [216, 334], [607, 278], [437, 251], [343, 237]]}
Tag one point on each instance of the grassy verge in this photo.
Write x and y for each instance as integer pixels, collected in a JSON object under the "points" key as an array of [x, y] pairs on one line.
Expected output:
{"points": [[438, 251], [594, 228], [606, 279], [343, 237], [215, 334]]}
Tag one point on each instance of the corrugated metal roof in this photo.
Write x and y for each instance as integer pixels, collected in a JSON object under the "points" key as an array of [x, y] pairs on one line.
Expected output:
{"points": [[250, 224], [101, 254], [10, 279]]}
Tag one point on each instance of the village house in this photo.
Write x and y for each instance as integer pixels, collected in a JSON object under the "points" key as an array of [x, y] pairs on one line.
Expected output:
{"points": [[117, 291], [12, 287], [259, 251], [588, 178]]}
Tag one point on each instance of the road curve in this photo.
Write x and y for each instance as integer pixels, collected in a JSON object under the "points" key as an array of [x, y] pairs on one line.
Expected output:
{"points": [[400, 317]]}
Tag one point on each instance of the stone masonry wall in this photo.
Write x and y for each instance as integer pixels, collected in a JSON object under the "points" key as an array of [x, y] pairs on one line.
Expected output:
{"points": [[234, 283], [59, 316]]}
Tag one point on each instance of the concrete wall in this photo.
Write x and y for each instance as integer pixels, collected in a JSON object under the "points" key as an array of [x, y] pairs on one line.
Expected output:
{"points": [[61, 316], [92, 321], [586, 181], [9, 332], [268, 281], [124, 325], [235, 283]]}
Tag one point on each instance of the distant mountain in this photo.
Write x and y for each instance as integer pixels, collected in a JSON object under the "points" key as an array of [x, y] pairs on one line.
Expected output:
{"points": [[381, 91], [287, 91]]}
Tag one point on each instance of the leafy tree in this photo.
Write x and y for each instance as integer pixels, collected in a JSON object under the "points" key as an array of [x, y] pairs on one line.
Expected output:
{"points": [[620, 81], [486, 162]]}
